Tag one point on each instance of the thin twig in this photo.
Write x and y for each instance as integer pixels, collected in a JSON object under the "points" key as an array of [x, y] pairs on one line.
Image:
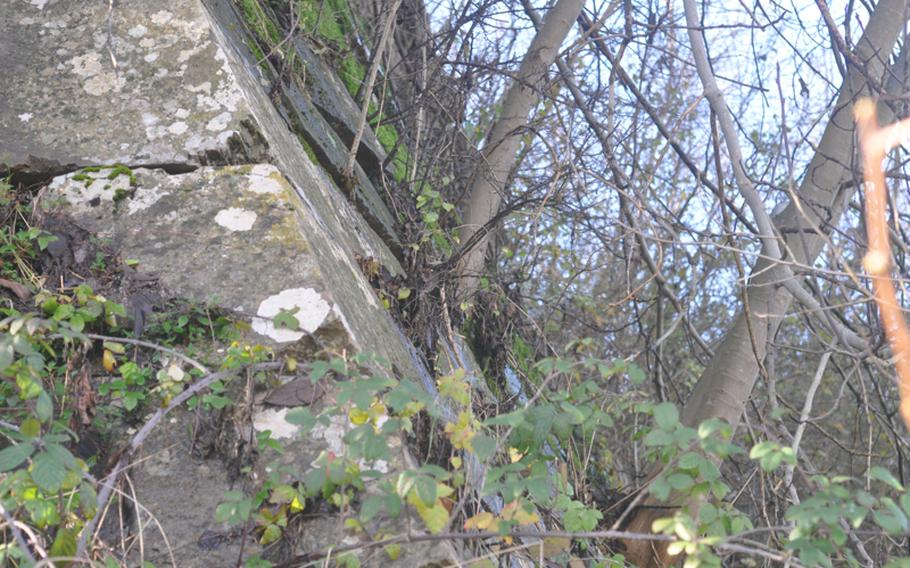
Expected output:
{"points": [[144, 432], [368, 91], [17, 534]]}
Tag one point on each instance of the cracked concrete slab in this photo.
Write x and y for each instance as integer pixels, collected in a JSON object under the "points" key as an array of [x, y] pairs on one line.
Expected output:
{"points": [[85, 86]]}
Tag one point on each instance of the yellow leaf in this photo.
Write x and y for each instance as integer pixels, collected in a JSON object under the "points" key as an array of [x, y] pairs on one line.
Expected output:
{"points": [[353, 524], [455, 461], [358, 417], [675, 548], [443, 490], [292, 364], [461, 432], [108, 360], [480, 521], [455, 387], [296, 505], [515, 456], [435, 517], [525, 518], [516, 512], [394, 551]]}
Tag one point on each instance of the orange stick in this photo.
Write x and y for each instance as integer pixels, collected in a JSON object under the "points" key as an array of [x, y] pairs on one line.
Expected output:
{"points": [[875, 142]]}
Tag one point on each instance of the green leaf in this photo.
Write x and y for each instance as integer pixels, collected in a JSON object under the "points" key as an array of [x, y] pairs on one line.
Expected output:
{"points": [[271, 533], [285, 318], [115, 347], [885, 476], [45, 239], [13, 456], [30, 428], [48, 472], [302, 417], [44, 408], [636, 375], [7, 352], [404, 293], [371, 507], [426, 489], [666, 415], [512, 419], [483, 446], [64, 544], [660, 489], [658, 438], [680, 481], [77, 322], [88, 500], [690, 460], [762, 449]]}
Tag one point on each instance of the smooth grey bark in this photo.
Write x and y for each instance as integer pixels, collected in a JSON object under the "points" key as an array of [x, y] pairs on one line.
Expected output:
{"points": [[502, 143], [815, 208], [818, 204]]}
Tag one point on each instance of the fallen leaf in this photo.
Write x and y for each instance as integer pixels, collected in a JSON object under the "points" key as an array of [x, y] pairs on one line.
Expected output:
{"points": [[298, 392], [19, 290]]}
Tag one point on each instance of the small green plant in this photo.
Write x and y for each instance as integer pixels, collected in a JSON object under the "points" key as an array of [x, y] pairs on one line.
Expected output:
{"points": [[186, 323]]}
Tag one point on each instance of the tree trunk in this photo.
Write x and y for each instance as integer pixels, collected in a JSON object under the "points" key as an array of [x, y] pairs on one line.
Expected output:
{"points": [[727, 381], [502, 143]]}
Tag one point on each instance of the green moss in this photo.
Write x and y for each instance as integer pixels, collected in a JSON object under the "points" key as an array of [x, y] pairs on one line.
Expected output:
{"points": [[328, 19], [311, 154], [388, 137], [120, 194], [121, 170], [264, 28], [258, 54], [352, 74]]}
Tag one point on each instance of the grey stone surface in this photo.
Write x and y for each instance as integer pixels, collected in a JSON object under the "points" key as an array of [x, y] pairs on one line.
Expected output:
{"points": [[229, 236], [141, 84]]}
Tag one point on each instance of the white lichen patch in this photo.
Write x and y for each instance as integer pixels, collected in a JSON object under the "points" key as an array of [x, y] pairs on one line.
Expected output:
{"points": [[162, 17], [86, 191], [144, 198], [333, 434], [236, 219], [137, 31], [26, 116], [275, 420], [265, 178], [98, 80], [178, 128], [311, 311], [219, 122], [86, 65]]}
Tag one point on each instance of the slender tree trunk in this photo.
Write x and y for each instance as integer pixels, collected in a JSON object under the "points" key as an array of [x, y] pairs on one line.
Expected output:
{"points": [[727, 381], [498, 156]]}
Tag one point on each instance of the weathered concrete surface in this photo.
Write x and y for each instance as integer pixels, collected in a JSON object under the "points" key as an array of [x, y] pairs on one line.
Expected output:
{"points": [[239, 237], [230, 236], [254, 238], [169, 99]]}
